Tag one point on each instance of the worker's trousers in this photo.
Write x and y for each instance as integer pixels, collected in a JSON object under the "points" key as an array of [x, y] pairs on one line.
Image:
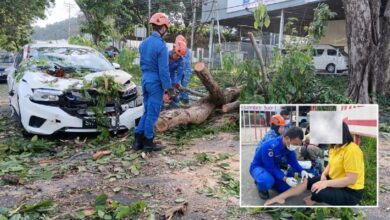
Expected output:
{"points": [[153, 100], [265, 181]]}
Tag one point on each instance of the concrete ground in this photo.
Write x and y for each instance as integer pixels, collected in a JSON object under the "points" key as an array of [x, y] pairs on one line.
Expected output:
{"points": [[249, 193]]}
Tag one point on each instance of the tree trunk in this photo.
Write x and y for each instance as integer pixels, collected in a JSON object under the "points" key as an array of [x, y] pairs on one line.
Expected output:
{"points": [[199, 112], [368, 29], [231, 106], [263, 69], [196, 114], [216, 94]]}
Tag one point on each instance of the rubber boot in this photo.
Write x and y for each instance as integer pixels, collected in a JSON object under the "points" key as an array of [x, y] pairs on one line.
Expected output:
{"points": [[264, 194], [138, 141], [150, 146]]}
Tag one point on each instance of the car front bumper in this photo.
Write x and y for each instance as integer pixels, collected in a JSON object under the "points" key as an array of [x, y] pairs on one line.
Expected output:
{"points": [[46, 120]]}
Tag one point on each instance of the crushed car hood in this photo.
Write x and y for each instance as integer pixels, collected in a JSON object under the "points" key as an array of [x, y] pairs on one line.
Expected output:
{"points": [[43, 80]]}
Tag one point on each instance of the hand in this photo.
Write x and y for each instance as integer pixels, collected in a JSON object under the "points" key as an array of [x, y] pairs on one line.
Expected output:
{"points": [[305, 174], [291, 181], [323, 177], [176, 86], [318, 186]]}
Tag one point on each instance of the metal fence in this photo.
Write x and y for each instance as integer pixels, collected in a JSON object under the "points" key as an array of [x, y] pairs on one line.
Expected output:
{"points": [[253, 126]]}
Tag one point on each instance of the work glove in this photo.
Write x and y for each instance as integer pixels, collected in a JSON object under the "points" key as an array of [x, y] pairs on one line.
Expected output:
{"points": [[291, 181], [305, 174]]}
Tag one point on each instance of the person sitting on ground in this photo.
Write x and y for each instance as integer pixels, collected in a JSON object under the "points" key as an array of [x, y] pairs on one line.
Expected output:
{"points": [[312, 152], [341, 183], [265, 166]]}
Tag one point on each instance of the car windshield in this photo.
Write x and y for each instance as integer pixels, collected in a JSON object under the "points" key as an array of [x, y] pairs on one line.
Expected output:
{"points": [[6, 58], [82, 59], [343, 52]]}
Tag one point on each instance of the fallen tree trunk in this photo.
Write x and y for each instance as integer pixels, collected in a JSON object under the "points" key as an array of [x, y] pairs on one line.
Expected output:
{"points": [[193, 92], [230, 106], [200, 111], [216, 93]]}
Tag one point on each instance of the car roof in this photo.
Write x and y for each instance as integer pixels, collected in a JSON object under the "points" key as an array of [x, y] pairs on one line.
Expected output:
{"points": [[56, 45], [323, 46]]}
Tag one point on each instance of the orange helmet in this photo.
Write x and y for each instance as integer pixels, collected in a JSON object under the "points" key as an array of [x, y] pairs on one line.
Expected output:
{"points": [[181, 38], [160, 19], [180, 48], [278, 120]]}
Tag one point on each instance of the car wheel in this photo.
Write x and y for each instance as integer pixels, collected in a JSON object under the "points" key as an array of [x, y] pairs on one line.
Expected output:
{"points": [[330, 68]]}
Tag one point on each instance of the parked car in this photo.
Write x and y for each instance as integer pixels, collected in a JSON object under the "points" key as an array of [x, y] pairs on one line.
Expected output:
{"points": [[329, 58], [47, 102], [6, 60]]}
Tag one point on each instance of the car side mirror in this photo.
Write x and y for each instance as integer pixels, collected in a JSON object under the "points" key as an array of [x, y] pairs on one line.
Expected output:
{"points": [[116, 66]]}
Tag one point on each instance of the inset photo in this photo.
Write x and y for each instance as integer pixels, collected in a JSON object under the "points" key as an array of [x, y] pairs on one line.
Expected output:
{"points": [[309, 155]]}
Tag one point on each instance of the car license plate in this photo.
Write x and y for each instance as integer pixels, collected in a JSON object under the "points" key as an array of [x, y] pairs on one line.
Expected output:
{"points": [[89, 123]]}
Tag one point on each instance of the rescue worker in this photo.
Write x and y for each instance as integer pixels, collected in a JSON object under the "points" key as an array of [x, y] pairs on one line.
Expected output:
{"points": [[265, 168], [184, 78], [176, 61], [277, 127], [155, 79], [176, 64]]}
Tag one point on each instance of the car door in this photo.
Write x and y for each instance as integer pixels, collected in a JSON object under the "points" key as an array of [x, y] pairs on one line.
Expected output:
{"points": [[318, 59], [12, 82]]}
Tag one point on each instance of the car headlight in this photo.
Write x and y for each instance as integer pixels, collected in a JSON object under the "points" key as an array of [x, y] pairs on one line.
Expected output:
{"points": [[46, 95]]}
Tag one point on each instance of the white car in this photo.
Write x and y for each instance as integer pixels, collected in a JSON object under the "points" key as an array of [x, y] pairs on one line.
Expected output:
{"points": [[329, 58], [6, 60], [48, 103]]}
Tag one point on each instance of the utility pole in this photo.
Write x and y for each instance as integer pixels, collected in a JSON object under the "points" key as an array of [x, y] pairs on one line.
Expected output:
{"points": [[194, 4], [69, 5]]}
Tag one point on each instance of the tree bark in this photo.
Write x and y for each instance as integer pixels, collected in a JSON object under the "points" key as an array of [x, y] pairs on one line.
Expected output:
{"points": [[259, 56], [230, 106], [199, 112], [196, 114], [216, 93], [368, 29]]}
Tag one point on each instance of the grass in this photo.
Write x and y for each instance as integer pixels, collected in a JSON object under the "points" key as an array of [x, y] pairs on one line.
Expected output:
{"points": [[337, 83], [368, 146]]}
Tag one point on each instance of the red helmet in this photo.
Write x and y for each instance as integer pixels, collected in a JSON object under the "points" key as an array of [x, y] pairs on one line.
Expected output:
{"points": [[160, 19], [278, 120], [181, 38], [180, 48]]}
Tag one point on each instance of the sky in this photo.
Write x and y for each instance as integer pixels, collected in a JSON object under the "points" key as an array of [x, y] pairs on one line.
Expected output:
{"points": [[58, 13]]}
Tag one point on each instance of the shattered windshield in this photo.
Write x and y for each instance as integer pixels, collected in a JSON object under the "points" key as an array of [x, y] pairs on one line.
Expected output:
{"points": [[82, 60]]}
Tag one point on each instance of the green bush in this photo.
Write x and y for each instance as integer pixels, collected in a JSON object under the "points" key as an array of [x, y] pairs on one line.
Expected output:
{"points": [[368, 146], [126, 60]]}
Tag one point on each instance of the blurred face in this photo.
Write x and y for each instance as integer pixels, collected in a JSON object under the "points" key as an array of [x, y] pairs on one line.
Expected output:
{"points": [[286, 117]]}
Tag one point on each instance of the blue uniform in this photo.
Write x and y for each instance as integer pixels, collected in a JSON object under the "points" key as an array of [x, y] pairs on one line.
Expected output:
{"points": [[176, 68], [155, 79], [271, 134], [265, 167], [184, 79]]}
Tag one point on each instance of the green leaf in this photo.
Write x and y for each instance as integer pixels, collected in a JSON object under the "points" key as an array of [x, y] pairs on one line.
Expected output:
{"points": [[42, 207], [34, 139], [122, 211], [267, 21], [101, 201]]}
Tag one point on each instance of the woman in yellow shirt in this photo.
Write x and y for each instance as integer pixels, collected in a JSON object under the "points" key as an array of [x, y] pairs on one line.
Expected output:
{"points": [[341, 183]]}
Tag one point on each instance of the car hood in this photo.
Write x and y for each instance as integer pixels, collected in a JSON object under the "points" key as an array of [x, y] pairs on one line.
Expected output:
{"points": [[42, 80]]}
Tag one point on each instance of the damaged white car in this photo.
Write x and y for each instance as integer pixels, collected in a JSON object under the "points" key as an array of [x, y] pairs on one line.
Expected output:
{"points": [[46, 91]]}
